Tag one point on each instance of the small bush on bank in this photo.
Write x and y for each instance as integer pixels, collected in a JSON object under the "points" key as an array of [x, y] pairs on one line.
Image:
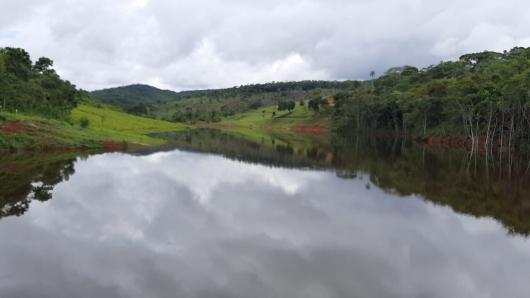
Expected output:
{"points": [[84, 122]]}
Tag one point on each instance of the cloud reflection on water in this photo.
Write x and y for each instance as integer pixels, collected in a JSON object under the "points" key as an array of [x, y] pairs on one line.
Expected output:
{"points": [[180, 224]]}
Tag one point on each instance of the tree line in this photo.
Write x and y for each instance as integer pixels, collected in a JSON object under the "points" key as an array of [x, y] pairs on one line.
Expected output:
{"points": [[249, 90], [484, 96]]}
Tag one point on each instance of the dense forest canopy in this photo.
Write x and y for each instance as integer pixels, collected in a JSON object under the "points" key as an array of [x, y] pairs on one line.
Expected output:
{"points": [[34, 88], [484, 96]]}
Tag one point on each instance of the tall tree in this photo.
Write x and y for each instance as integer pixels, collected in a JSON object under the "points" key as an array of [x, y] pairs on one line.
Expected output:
{"points": [[42, 65], [372, 74], [17, 61], [288, 105]]}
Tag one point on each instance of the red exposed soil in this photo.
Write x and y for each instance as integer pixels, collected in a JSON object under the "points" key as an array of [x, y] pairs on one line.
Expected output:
{"points": [[443, 142], [309, 129], [218, 125], [455, 143], [12, 168], [114, 146], [12, 128], [331, 102]]}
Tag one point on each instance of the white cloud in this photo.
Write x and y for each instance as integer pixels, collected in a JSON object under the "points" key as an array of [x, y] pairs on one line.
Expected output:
{"points": [[139, 3], [209, 44], [446, 48]]}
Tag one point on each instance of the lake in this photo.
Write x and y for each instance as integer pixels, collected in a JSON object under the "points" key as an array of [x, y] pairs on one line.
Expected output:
{"points": [[251, 213]]}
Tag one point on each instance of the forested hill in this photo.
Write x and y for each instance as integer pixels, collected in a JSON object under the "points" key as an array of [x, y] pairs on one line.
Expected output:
{"points": [[127, 96], [208, 105], [131, 95], [482, 95], [34, 88]]}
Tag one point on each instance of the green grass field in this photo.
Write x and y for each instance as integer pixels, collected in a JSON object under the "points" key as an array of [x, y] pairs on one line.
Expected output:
{"points": [[109, 120], [300, 116], [24, 132]]}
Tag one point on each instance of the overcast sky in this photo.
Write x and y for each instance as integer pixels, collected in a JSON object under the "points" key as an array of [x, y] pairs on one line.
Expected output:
{"points": [[197, 44]]}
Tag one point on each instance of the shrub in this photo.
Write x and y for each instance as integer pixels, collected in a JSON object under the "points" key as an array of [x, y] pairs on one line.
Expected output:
{"points": [[84, 122]]}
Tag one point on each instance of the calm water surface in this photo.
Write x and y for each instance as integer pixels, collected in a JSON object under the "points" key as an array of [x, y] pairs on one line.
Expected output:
{"points": [[215, 214]]}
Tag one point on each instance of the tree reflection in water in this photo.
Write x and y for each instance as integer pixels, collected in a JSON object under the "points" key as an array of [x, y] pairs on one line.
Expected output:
{"points": [[479, 184], [30, 182], [476, 183]]}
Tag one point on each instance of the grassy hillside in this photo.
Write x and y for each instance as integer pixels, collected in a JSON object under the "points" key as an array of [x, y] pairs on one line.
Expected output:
{"points": [[41, 111], [301, 116], [197, 109], [109, 120], [87, 100], [107, 128]]}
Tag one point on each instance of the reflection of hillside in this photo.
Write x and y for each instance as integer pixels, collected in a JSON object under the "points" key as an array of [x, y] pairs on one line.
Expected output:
{"points": [[498, 187], [25, 178], [272, 148]]}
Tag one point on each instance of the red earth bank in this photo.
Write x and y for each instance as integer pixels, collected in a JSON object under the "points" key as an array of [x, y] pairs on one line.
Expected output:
{"points": [[309, 129], [12, 128], [12, 168]]}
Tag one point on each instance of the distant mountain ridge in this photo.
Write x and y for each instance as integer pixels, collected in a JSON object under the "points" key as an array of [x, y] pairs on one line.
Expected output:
{"points": [[205, 105], [127, 96]]}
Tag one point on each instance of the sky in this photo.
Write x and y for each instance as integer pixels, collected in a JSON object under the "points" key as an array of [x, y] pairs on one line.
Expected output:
{"points": [[198, 44]]}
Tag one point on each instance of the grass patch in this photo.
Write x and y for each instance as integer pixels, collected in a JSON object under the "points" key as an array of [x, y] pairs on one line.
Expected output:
{"points": [[300, 116], [110, 120]]}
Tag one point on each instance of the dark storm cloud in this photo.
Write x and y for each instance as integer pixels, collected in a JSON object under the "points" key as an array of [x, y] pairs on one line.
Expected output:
{"points": [[209, 44]]}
